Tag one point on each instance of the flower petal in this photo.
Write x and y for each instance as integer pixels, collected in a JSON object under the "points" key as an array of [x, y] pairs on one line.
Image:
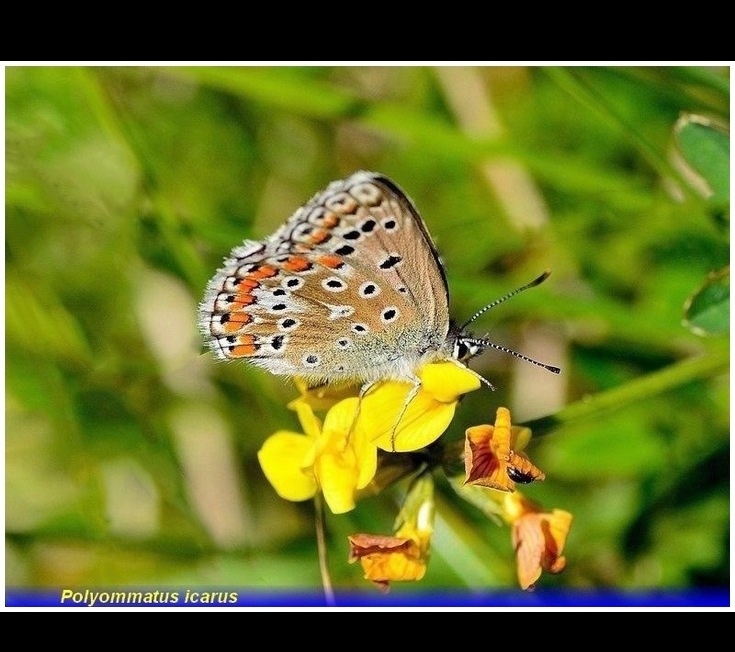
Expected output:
{"points": [[367, 459], [363, 544], [560, 522], [346, 460], [341, 417], [282, 459], [423, 419], [447, 381], [519, 437], [341, 421], [387, 559], [337, 477], [486, 453], [309, 422], [538, 538]]}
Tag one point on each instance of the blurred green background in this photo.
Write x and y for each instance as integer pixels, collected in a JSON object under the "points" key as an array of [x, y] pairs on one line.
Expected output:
{"points": [[130, 453]]}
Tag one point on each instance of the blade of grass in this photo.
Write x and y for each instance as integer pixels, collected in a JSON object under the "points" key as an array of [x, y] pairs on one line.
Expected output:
{"points": [[591, 99], [654, 384]]}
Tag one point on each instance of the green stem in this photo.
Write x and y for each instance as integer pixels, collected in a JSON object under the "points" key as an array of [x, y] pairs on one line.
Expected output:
{"points": [[658, 382], [321, 541]]}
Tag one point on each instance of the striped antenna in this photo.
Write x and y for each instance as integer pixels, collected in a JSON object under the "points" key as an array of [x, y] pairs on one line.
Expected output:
{"points": [[481, 311]]}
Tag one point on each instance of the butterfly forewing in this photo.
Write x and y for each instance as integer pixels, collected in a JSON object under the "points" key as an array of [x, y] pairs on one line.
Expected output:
{"points": [[349, 288]]}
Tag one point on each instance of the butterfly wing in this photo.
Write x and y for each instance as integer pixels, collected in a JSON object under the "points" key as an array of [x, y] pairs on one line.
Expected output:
{"points": [[349, 288]]}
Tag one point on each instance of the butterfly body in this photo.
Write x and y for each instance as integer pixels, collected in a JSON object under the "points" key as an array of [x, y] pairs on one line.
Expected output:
{"points": [[349, 289]]}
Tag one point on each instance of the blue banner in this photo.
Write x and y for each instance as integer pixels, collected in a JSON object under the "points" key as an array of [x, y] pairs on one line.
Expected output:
{"points": [[224, 597]]}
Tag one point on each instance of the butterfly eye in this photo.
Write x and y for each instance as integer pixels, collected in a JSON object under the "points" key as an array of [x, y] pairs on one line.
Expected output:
{"points": [[464, 350], [460, 350]]}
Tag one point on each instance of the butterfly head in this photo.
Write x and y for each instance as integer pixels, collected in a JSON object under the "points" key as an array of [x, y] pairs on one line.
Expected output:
{"points": [[465, 346]]}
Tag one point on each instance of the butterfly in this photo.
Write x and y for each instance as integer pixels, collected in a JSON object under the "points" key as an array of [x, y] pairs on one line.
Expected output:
{"points": [[350, 288]]}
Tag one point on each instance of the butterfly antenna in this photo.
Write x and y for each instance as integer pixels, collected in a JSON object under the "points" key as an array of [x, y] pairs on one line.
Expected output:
{"points": [[505, 349], [532, 284]]}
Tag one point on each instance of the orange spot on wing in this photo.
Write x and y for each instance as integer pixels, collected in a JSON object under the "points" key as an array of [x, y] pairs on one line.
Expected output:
{"points": [[242, 351], [248, 283], [330, 220], [319, 235], [242, 299], [333, 262], [237, 321], [264, 271], [297, 264], [245, 347]]}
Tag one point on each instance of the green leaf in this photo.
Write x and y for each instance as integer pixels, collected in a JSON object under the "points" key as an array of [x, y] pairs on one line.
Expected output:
{"points": [[705, 146], [707, 311]]}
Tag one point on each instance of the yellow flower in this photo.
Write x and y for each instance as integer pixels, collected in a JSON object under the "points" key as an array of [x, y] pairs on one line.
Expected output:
{"points": [[328, 457], [402, 557], [538, 538], [387, 559], [492, 457], [398, 422]]}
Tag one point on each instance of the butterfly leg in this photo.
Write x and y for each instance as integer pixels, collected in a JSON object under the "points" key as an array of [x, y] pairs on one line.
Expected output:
{"points": [[412, 393], [363, 392]]}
